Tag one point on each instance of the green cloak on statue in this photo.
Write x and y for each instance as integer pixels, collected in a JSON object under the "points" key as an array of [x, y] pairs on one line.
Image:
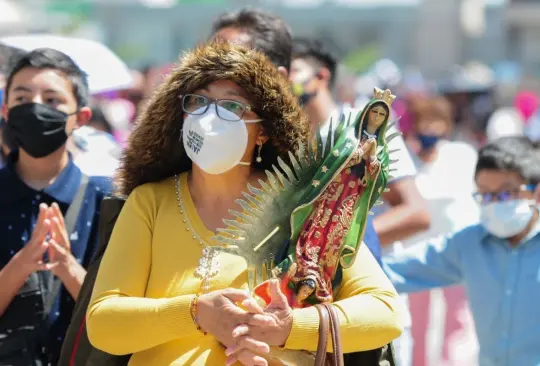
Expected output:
{"points": [[306, 222]]}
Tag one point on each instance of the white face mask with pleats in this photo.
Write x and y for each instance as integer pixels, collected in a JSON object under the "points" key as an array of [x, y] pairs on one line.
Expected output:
{"points": [[214, 144], [507, 219]]}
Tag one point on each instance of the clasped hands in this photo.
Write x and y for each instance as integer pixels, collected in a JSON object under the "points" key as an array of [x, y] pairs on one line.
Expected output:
{"points": [[370, 154], [49, 235], [248, 333]]}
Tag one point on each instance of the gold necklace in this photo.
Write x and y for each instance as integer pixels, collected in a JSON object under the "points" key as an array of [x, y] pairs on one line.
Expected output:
{"points": [[208, 266]]}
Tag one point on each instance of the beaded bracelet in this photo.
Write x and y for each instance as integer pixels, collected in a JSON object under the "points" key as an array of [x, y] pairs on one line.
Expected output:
{"points": [[193, 311]]}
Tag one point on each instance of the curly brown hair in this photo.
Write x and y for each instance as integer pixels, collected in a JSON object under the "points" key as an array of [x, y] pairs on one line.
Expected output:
{"points": [[155, 150]]}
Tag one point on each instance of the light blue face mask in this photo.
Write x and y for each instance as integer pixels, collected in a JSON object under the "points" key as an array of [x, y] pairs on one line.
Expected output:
{"points": [[507, 219]]}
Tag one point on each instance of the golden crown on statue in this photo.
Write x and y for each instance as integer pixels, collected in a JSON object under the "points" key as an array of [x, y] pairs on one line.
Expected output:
{"points": [[385, 95]]}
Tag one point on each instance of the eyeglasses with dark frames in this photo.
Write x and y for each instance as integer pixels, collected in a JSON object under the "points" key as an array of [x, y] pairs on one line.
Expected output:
{"points": [[198, 104]]}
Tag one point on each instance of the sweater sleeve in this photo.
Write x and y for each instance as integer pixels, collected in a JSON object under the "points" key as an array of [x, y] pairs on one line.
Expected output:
{"points": [[120, 320], [370, 311]]}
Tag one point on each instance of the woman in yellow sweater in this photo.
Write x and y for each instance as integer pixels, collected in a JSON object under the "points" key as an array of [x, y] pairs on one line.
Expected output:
{"points": [[223, 116]]}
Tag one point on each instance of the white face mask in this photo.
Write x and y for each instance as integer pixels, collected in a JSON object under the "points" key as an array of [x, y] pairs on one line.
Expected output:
{"points": [[506, 219], [214, 144]]}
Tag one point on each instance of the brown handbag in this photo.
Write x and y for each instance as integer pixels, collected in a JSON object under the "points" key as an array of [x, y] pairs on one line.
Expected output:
{"points": [[329, 324]]}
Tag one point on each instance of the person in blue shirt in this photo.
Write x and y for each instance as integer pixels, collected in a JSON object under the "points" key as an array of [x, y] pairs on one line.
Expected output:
{"points": [[497, 260], [46, 98]]}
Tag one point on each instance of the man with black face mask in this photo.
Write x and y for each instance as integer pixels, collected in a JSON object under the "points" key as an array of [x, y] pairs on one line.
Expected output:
{"points": [[48, 208], [313, 77]]}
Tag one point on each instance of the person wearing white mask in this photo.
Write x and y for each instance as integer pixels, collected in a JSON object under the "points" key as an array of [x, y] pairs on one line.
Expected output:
{"points": [[222, 117], [497, 260]]}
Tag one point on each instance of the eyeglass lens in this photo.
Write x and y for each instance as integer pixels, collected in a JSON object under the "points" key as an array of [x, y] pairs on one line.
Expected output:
{"points": [[499, 197], [198, 104], [502, 196]]}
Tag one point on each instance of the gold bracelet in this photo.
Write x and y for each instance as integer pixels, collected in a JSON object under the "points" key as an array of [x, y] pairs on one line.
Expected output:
{"points": [[193, 311]]}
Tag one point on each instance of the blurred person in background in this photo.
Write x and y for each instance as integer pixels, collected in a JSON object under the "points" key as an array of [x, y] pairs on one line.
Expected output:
{"points": [[45, 241], [93, 147], [443, 179], [260, 30], [313, 74], [472, 111], [471, 90], [497, 259], [313, 71]]}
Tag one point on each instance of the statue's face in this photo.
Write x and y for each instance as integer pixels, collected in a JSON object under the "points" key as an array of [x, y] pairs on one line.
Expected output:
{"points": [[376, 116], [304, 292]]}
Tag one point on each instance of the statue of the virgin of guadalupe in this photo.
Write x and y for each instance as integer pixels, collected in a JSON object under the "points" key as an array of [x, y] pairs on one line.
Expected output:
{"points": [[306, 222]]}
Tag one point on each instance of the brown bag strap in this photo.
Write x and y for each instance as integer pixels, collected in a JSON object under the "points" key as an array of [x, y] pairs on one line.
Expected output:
{"points": [[337, 355], [329, 322], [324, 326]]}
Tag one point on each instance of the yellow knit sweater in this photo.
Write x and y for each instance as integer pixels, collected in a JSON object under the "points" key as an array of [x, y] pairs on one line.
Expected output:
{"points": [[145, 284]]}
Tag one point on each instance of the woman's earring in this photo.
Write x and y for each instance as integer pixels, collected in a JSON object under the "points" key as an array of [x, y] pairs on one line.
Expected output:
{"points": [[259, 158]]}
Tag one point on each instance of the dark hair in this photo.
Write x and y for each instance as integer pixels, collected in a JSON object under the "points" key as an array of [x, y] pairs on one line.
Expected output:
{"points": [[8, 56], [99, 117], [316, 50], [516, 153], [269, 33], [47, 58]]}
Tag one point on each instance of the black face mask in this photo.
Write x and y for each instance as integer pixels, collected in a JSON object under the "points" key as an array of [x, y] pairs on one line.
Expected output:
{"points": [[37, 128], [305, 98]]}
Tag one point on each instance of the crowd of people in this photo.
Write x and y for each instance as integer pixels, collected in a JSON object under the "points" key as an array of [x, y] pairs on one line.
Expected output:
{"points": [[451, 262]]}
